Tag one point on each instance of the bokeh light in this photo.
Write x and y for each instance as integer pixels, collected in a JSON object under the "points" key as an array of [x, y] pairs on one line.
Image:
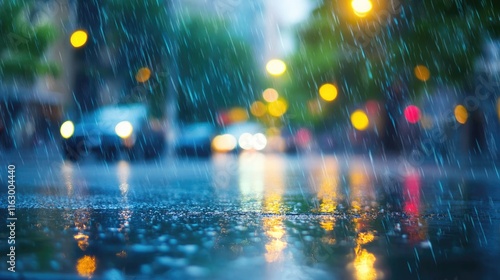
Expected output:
{"points": [[373, 107], [143, 75], [422, 73], [361, 7], [124, 129], [276, 67], [258, 109], [224, 143], [67, 129], [277, 108], [412, 114], [461, 114], [360, 120], [238, 114], [270, 95], [246, 141], [79, 38], [259, 141], [328, 92]]}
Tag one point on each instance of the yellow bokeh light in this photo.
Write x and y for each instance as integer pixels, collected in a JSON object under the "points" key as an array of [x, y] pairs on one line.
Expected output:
{"points": [[276, 67], [461, 114], [86, 266], [361, 7], [143, 75], [258, 109], [277, 108], [67, 129], [79, 38], [224, 143], [328, 92], [238, 114], [270, 95], [124, 129], [359, 120], [422, 73]]}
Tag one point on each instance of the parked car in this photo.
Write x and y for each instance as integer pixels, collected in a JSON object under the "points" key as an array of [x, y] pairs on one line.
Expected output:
{"points": [[110, 130], [195, 140]]}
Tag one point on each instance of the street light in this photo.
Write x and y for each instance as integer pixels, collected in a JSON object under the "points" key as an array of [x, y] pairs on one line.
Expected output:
{"points": [[79, 38], [328, 92], [361, 7], [276, 67], [360, 120], [270, 95]]}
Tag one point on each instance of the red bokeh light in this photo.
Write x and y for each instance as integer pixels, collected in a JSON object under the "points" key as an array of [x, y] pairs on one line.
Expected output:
{"points": [[372, 107], [412, 114], [303, 137]]}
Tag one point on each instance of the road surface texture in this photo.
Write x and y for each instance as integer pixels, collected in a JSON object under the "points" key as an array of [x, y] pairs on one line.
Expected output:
{"points": [[252, 216]]}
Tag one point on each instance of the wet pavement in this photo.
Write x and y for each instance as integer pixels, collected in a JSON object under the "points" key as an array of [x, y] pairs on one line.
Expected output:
{"points": [[254, 216]]}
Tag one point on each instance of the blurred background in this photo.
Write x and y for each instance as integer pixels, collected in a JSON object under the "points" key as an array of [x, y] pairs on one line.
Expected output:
{"points": [[285, 139], [364, 76]]}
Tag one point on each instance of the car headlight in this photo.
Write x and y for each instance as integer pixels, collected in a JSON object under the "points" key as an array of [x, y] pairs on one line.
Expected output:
{"points": [[224, 143], [259, 141], [67, 129], [124, 129], [248, 141]]}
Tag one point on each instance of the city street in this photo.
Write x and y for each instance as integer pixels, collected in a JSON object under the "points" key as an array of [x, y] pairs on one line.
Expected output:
{"points": [[253, 216], [242, 140]]}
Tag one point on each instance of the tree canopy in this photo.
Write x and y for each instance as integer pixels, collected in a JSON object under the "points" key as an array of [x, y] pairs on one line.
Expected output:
{"points": [[417, 43], [216, 68], [24, 42]]}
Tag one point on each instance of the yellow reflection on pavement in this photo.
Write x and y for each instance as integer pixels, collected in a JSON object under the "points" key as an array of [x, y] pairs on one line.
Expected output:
{"points": [[363, 265], [86, 266], [364, 261], [273, 204], [362, 194], [275, 231]]}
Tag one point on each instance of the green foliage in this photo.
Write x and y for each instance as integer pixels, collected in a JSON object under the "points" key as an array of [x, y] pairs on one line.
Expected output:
{"points": [[24, 43], [216, 67], [138, 33], [364, 56]]}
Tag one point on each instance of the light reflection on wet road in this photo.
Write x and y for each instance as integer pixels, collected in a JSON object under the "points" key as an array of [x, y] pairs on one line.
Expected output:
{"points": [[256, 216]]}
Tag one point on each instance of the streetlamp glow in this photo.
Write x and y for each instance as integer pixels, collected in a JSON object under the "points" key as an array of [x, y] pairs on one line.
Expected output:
{"points": [[360, 120], [79, 38], [276, 67], [361, 7], [328, 92]]}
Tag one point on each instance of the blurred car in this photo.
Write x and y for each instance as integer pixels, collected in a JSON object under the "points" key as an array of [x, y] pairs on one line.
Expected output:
{"points": [[112, 129], [195, 140], [240, 136]]}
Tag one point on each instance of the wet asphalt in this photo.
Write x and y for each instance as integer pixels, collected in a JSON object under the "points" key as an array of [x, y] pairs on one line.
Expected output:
{"points": [[252, 216]]}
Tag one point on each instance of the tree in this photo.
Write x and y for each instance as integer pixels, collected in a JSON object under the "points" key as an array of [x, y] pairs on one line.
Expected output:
{"points": [[24, 44], [216, 68], [140, 35], [366, 56]]}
